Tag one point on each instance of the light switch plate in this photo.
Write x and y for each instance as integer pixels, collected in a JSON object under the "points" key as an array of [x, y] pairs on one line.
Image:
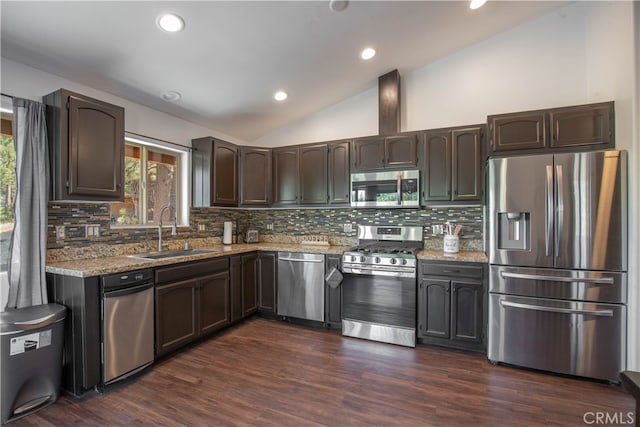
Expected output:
{"points": [[347, 228], [437, 229], [60, 234]]}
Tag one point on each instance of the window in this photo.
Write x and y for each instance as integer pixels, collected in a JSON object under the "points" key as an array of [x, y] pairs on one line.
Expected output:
{"points": [[7, 194], [152, 181]]}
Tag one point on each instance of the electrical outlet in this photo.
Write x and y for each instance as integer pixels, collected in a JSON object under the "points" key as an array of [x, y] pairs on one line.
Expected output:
{"points": [[201, 227], [437, 229], [60, 234], [270, 226], [347, 228]]}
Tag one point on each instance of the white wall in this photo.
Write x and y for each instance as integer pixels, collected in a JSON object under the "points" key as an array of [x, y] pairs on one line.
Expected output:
{"points": [[585, 52]]}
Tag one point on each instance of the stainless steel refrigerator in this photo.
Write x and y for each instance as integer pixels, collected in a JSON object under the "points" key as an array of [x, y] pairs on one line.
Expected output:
{"points": [[558, 262]]}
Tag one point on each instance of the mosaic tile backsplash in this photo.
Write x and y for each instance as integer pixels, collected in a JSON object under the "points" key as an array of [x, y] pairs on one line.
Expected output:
{"points": [[88, 232]]}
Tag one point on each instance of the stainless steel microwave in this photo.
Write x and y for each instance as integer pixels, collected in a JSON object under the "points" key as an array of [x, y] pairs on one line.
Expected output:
{"points": [[386, 189]]}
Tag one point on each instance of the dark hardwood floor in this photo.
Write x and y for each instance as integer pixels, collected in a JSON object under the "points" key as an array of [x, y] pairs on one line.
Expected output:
{"points": [[270, 373]]}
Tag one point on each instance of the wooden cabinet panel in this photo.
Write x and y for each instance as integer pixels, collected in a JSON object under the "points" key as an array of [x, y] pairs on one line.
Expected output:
{"points": [[518, 131], [436, 317], [313, 174], [339, 175], [588, 125], [214, 173], [267, 282], [285, 176], [176, 315], [255, 176], [249, 284], [236, 288], [213, 302], [401, 151], [368, 153], [466, 180], [86, 145], [466, 311], [437, 173]]}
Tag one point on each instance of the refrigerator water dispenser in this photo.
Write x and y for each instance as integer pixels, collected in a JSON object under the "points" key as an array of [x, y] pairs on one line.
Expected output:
{"points": [[514, 230]]}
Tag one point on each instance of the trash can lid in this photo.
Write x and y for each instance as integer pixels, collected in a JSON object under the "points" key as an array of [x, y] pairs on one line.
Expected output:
{"points": [[36, 316]]}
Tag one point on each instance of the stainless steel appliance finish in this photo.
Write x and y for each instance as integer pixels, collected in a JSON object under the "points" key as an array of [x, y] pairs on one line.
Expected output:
{"points": [[558, 254], [301, 286], [379, 285], [388, 189], [127, 324]]}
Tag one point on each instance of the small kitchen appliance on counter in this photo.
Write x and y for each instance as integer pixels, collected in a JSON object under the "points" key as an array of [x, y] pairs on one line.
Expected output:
{"points": [[251, 236]]}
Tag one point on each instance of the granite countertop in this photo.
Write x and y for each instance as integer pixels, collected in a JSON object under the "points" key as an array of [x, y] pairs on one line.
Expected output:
{"points": [[431, 255], [90, 267]]}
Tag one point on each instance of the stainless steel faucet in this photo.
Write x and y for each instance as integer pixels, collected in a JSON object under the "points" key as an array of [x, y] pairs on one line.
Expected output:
{"points": [[173, 227]]}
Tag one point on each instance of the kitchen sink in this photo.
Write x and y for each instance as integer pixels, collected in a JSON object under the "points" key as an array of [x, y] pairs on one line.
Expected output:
{"points": [[174, 254]]}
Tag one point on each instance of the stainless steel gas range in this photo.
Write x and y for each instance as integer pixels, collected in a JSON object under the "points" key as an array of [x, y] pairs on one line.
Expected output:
{"points": [[379, 286]]}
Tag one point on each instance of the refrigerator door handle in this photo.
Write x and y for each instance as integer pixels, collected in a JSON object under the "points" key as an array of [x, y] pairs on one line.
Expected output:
{"points": [[600, 281], [560, 207], [548, 221], [603, 313]]}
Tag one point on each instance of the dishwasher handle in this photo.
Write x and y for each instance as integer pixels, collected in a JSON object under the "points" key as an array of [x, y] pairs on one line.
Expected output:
{"points": [[301, 260], [128, 291]]}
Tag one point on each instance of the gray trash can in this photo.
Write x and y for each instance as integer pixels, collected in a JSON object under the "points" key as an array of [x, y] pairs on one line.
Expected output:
{"points": [[31, 341]]}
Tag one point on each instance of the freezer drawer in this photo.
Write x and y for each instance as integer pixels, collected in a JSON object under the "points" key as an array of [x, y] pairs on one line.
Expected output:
{"points": [[574, 338]]}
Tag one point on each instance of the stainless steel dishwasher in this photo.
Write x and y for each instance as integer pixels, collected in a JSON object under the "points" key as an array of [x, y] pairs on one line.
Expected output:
{"points": [[301, 285], [127, 324]]}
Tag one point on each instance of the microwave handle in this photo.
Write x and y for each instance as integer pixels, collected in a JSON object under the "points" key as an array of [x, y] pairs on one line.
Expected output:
{"points": [[399, 189]]}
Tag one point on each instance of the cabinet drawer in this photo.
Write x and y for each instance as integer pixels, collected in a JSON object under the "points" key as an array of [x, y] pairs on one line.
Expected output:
{"points": [[188, 270], [450, 269]]}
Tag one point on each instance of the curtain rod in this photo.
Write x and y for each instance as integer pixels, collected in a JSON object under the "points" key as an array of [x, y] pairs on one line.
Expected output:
{"points": [[7, 95], [161, 140]]}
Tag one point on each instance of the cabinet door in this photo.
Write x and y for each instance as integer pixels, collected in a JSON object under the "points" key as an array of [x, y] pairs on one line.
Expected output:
{"points": [[255, 176], [175, 315], [267, 282], [401, 151], [225, 174], [213, 302], [434, 308], [368, 153], [285, 176], [96, 150], [249, 284], [466, 180], [339, 176], [236, 288], [313, 174], [585, 126], [518, 131], [437, 173], [466, 311], [333, 296]]}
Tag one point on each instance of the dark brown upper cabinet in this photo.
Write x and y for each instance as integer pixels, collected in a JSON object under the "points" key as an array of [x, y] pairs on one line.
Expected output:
{"points": [[339, 175], [300, 175], [86, 145], [452, 169], [379, 152], [575, 128], [214, 173], [255, 176]]}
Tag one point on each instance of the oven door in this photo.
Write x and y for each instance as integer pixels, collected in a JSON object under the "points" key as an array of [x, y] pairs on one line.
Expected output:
{"points": [[380, 308], [392, 189]]}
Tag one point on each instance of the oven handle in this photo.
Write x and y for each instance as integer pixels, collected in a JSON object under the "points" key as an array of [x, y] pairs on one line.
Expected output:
{"points": [[601, 281], [378, 272], [603, 313]]}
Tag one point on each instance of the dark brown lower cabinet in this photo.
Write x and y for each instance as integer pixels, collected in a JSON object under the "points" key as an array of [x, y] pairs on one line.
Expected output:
{"points": [[244, 289], [333, 296], [267, 283], [189, 308], [452, 305]]}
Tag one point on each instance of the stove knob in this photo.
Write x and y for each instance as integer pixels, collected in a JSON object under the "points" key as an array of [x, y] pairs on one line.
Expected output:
{"points": [[362, 259], [377, 260], [404, 262], [353, 258], [394, 261]]}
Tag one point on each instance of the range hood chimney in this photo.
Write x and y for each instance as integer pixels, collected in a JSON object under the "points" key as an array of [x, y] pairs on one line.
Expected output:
{"points": [[389, 103]]}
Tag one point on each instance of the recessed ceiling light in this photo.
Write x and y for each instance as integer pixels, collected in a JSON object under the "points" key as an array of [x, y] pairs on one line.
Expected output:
{"points": [[171, 96], [280, 95], [338, 5], [475, 4], [368, 53], [170, 22]]}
